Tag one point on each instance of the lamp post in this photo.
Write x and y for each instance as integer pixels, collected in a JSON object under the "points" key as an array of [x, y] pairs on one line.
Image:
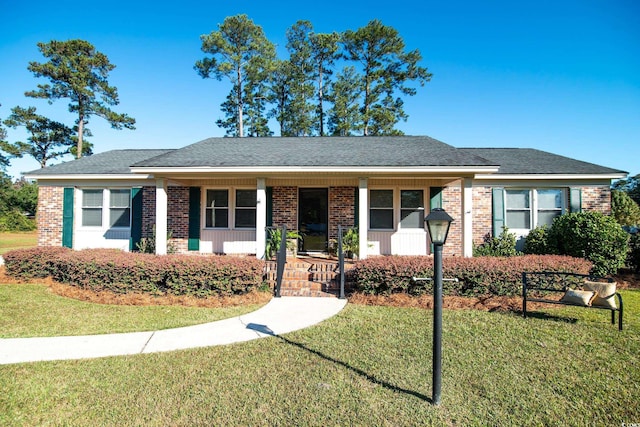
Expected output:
{"points": [[438, 222]]}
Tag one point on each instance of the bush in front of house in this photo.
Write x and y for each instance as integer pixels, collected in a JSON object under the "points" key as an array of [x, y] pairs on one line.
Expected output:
{"points": [[633, 257], [480, 276], [502, 246], [591, 235], [125, 272]]}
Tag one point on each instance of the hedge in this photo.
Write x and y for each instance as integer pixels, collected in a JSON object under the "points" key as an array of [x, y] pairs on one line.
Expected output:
{"points": [[477, 276], [125, 272]]}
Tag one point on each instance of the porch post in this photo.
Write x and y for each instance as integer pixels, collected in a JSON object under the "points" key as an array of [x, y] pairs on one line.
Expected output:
{"points": [[161, 216], [467, 217], [261, 217], [363, 216]]}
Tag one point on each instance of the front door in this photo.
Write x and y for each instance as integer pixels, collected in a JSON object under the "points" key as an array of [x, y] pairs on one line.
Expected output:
{"points": [[313, 217]]}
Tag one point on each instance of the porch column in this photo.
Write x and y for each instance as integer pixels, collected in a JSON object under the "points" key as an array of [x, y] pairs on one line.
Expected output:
{"points": [[363, 216], [161, 216], [261, 217], [467, 217]]}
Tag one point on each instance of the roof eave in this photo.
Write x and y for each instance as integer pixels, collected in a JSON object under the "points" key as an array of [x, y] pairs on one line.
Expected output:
{"points": [[620, 175], [316, 169], [89, 177]]}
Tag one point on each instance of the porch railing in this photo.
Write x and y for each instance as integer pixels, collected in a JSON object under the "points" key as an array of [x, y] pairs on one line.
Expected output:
{"points": [[341, 231], [281, 256]]}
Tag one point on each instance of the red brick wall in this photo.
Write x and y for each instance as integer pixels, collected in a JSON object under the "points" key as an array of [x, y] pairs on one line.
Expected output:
{"points": [[452, 203], [482, 213], [597, 199], [178, 217], [148, 211], [49, 216], [342, 210], [285, 202]]}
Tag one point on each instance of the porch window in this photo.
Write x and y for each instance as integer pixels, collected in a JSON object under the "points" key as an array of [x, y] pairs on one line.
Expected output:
{"points": [[217, 209], [411, 209], [381, 209], [120, 208], [245, 212], [92, 208]]}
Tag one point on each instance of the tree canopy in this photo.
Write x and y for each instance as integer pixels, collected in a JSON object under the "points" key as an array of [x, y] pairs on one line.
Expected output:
{"points": [[77, 71], [362, 76]]}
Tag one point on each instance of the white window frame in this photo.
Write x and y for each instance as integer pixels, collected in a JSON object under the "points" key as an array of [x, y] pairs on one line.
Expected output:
{"points": [[231, 208], [105, 208], [534, 208], [397, 207]]}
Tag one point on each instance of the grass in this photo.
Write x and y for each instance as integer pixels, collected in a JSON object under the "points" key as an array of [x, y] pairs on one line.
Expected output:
{"points": [[365, 366], [33, 310], [11, 241]]}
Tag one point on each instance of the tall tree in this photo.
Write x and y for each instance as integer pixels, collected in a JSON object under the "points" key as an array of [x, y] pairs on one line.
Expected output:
{"points": [[345, 94], [631, 186], [313, 56], [240, 52], [387, 70], [4, 160], [48, 139], [76, 70]]}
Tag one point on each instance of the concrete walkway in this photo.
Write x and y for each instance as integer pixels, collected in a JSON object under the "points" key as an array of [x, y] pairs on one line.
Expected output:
{"points": [[279, 316]]}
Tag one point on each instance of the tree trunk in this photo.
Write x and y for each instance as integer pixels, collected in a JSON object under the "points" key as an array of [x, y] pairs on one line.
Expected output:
{"points": [[239, 97], [320, 96], [80, 133]]}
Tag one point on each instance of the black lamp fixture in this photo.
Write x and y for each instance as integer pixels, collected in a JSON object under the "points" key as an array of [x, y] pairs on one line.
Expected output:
{"points": [[438, 222]]}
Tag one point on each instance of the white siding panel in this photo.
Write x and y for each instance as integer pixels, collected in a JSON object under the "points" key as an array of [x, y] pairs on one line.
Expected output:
{"points": [[92, 239], [398, 243], [228, 241]]}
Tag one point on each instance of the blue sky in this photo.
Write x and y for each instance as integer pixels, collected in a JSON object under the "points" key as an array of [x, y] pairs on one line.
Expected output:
{"points": [[561, 76]]}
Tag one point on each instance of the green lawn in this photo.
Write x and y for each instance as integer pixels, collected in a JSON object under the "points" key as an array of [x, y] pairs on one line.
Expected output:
{"points": [[34, 311], [366, 366], [11, 241]]}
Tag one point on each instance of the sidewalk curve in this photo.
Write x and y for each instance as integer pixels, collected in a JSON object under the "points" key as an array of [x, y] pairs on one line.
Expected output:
{"points": [[279, 316]]}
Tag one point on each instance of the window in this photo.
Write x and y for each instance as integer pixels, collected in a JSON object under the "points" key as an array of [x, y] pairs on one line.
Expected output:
{"points": [[119, 208], [518, 204], [527, 209], [92, 208], [245, 213], [217, 209], [381, 209], [549, 206], [411, 209]]}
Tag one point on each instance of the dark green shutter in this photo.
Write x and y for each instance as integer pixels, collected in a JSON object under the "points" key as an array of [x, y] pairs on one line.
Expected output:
{"points": [[269, 191], [498, 210], [193, 243], [67, 218], [136, 218], [575, 200]]}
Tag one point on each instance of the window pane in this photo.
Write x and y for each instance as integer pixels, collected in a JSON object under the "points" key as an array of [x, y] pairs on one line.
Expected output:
{"points": [[246, 198], [218, 198], [381, 219], [218, 218], [92, 198], [119, 198], [411, 199], [517, 199], [91, 217], [381, 198], [546, 217], [549, 199], [119, 217], [412, 218], [518, 219], [245, 218]]}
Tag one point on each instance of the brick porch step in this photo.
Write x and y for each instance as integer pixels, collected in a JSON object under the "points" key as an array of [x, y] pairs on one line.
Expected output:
{"points": [[307, 278]]}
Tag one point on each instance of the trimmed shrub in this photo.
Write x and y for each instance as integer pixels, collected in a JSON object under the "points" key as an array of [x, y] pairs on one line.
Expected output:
{"points": [[591, 235], [633, 257], [536, 242], [502, 246], [125, 272], [16, 221], [476, 276]]}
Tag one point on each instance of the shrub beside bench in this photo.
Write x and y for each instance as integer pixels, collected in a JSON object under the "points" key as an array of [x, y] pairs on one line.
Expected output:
{"points": [[577, 290]]}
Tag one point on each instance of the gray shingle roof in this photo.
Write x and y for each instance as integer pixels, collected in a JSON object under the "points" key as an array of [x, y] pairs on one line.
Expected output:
{"points": [[516, 161], [110, 162], [317, 151]]}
